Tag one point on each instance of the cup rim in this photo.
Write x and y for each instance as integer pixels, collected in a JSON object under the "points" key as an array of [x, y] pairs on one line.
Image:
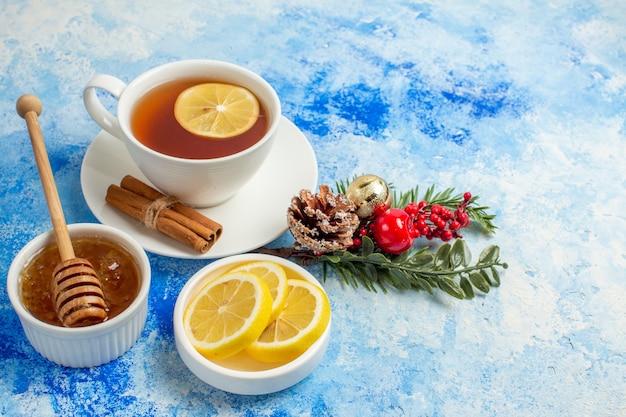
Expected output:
{"points": [[197, 279], [124, 121], [34, 245]]}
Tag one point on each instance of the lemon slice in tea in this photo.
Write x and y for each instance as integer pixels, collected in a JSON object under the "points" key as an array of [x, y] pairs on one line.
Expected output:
{"points": [[216, 110]]}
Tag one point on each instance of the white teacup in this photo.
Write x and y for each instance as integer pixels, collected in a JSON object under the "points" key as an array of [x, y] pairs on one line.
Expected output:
{"points": [[197, 182]]}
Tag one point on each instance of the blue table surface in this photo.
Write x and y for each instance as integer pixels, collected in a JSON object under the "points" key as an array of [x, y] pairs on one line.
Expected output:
{"points": [[521, 102]]}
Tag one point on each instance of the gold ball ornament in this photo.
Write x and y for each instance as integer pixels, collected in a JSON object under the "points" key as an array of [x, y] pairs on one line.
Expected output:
{"points": [[370, 194]]}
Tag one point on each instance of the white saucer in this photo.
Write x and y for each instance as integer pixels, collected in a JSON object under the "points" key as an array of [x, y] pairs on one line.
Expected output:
{"points": [[255, 216]]}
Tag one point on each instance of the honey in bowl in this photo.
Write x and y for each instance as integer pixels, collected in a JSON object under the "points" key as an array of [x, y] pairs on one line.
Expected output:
{"points": [[153, 123], [113, 264]]}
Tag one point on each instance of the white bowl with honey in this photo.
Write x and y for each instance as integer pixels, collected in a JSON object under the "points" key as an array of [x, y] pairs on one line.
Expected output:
{"points": [[256, 369], [124, 271]]}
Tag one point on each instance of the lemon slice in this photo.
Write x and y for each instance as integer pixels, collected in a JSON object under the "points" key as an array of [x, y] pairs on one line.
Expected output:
{"points": [[303, 320], [274, 276], [216, 110], [227, 315]]}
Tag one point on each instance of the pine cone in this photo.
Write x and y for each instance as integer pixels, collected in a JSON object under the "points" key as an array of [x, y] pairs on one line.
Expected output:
{"points": [[322, 222]]}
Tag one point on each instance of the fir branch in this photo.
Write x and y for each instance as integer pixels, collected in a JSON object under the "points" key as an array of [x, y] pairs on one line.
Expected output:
{"points": [[449, 269], [341, 186]]}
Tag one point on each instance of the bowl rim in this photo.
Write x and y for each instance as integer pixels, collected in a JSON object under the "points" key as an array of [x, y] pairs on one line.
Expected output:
{"points": [[198, 279], [77, 229]]}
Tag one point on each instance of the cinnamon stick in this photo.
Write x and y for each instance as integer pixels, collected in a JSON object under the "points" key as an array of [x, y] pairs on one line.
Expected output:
{"points": [[163, 213], [196, 219]]}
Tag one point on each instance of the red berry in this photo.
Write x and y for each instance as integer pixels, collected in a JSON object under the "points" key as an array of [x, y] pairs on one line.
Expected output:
{"points": [[455, 225], [412, 209], [392, 231], [467, 196], [436, 209], [446, 235], [463, 218]]}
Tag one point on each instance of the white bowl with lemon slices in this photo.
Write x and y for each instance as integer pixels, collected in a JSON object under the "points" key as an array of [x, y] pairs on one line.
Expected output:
{"points": [[252, 324]]}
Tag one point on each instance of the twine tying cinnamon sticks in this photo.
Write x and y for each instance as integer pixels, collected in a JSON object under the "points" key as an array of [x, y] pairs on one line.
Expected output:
{"points": [[164, 213]]}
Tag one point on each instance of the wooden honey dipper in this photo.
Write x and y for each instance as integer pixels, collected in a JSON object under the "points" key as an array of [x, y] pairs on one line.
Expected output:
{"points": [[75, 286]]}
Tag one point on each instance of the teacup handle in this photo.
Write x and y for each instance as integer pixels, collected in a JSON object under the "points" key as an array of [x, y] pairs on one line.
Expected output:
{"points": [[94, 106]]}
